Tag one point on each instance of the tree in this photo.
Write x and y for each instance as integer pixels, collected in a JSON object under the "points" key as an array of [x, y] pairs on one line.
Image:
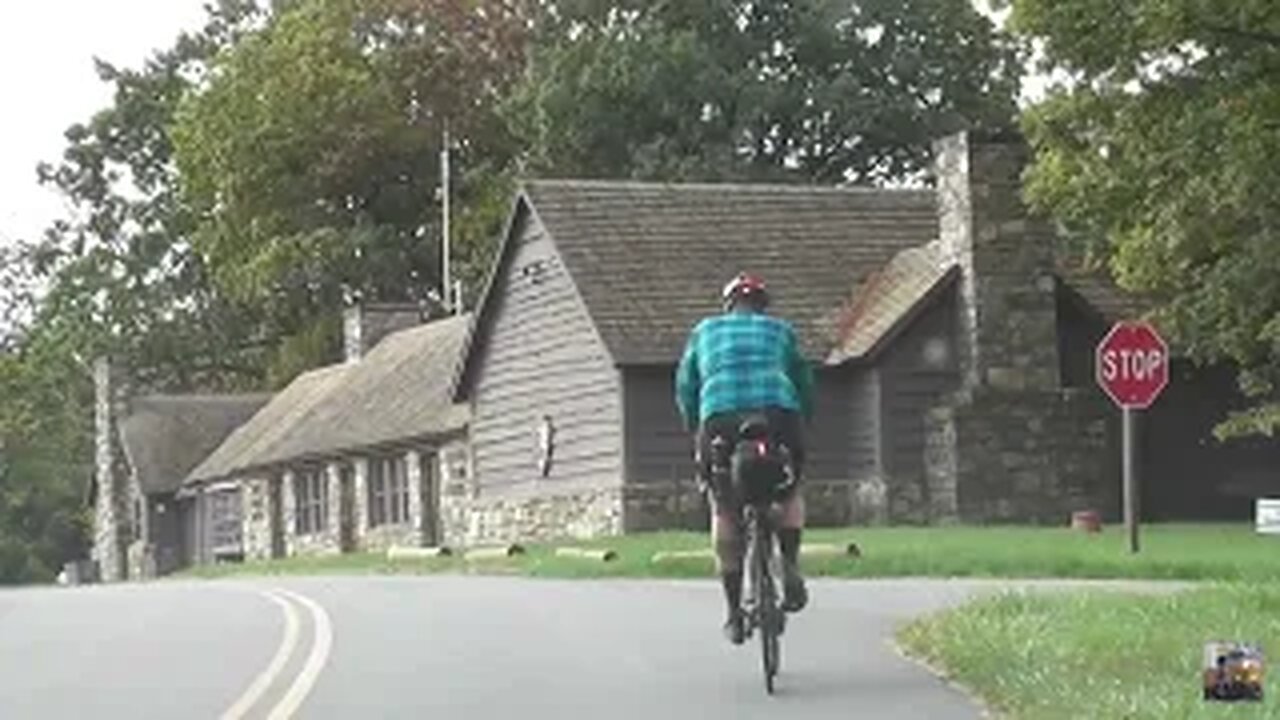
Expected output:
{"points": [[808, 90], [1158, 152], [117, 277], [44, 441], [311, 155], [121, 276]]}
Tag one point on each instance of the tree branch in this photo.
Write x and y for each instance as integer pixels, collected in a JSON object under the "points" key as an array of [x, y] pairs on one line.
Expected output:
{"points": [[1255, 35]]}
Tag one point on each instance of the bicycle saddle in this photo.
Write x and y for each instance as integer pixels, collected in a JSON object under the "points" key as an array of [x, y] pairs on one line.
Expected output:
{"points": [[754, 427]]}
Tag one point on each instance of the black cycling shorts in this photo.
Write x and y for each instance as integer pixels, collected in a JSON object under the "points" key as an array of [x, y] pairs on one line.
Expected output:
{"points": [[786, 426]]}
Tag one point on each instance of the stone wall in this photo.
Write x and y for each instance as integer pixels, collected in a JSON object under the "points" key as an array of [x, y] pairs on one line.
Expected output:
{"points": [[1010, 445], [679, 506], [663, 506], [322, 542], [141, 560], [109, 538], [469, 521], [1007, 309], [1020, 457], [259, 512]]}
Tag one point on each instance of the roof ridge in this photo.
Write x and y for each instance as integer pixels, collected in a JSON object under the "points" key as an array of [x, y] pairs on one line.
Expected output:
{"points": [[795, 188], [181, 397], [438, 325]]}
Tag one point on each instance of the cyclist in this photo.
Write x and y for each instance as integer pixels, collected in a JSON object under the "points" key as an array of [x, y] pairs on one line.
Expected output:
{"points": [[735, 364]]}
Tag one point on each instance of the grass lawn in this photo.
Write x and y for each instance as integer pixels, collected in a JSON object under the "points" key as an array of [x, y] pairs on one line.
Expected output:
{"points": [[1084, 654], [1172, 551]]}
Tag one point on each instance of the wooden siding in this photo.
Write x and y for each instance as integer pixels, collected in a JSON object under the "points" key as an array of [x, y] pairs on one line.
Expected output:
{"points": [[540, 354], [911, 382], [659, 449], [1186, 473], [864, 424], [186, 509], [827, 437]]}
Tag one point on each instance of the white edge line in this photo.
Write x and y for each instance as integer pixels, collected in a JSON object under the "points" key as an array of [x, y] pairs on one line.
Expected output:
{"points": [[316, 660], [268, 675]]}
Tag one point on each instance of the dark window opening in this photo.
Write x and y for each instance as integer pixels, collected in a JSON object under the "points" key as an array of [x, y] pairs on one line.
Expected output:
{"points": [[312, 493], [388, 491]]}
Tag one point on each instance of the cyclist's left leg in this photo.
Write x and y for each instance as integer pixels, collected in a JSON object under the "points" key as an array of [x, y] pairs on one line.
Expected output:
{"points": [[791, 527]]}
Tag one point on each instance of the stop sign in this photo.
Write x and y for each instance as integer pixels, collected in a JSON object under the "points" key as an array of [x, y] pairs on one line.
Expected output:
{"points": [[1132, 364]]}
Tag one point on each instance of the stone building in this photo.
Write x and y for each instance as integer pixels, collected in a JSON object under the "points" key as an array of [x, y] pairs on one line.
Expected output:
{"points": [[145, 445], [953, 345], [347, 457]]}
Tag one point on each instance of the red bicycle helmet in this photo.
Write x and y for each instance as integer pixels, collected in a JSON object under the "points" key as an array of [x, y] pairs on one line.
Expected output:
{"points": [[745, 286]]}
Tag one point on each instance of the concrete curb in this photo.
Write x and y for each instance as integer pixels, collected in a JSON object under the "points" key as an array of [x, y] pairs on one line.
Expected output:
{"points": [[488, 553], [942, 676], [603, 555], [416, 553]]}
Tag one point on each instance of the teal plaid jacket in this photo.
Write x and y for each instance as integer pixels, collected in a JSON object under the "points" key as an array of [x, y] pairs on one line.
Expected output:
{"points": [[742, 361]]}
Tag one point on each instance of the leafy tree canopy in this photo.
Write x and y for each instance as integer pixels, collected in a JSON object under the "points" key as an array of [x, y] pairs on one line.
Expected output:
{"points": [[810, 90], [1159, 151]]}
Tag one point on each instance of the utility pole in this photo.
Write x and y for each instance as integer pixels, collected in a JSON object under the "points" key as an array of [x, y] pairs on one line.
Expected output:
{"points": [[446, 283]]}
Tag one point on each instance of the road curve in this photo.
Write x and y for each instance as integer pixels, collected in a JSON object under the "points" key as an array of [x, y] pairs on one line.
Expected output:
{"points": [[474, 647], [132, 651]]}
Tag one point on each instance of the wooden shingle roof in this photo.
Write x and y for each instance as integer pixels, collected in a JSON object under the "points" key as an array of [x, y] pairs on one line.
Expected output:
{"points": [[398, 391], [165, 436], [649, 259], [887, 299]]}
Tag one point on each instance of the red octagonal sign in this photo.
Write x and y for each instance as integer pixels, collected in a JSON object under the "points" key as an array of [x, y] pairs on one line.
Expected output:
{"points": [[1132, 364]]}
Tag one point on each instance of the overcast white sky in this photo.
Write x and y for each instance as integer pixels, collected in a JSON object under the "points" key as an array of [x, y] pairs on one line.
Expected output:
{"points": [[47, 83]]}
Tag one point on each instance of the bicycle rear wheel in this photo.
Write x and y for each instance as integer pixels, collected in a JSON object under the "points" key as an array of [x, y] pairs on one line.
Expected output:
{"points": [[766, 601]]}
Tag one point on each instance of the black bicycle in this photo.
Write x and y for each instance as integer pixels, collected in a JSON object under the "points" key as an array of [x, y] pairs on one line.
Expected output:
{"points": [[760, 472], [764, 613]]}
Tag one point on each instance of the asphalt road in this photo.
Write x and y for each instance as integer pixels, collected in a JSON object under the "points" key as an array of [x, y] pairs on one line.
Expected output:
{"points": [[487, 647]]}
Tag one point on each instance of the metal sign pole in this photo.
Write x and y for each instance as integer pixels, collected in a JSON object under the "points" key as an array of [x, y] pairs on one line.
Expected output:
{"points": [[1131, 478], [446, 281]]}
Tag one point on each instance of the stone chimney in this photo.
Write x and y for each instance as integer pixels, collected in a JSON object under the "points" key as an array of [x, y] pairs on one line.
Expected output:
{"points": [[364, 324], [109, 512], [1008, 316]]}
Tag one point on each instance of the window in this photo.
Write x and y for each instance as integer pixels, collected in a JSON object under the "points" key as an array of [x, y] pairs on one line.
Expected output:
{"points": [[388, 491], [454, 464], [136, 529], [225, 521], [312, 494]]}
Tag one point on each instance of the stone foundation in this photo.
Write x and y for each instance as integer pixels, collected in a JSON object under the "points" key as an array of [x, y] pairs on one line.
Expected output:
{"points": [[868, 502], [142, 561], [1020, 457], [664, 506], [377, 539], [469, 520]]}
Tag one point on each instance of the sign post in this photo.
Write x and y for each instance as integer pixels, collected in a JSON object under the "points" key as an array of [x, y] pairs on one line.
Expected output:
{"points": [[1132, 367]]}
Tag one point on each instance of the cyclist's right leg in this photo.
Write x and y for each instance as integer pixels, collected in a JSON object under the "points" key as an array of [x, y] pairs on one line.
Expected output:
{"points": [[729, 549], [726, 535], [790, 432]]}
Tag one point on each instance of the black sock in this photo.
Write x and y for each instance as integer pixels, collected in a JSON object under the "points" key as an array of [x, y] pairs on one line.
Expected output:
{"points": [[789, 539], [732, 590]]}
